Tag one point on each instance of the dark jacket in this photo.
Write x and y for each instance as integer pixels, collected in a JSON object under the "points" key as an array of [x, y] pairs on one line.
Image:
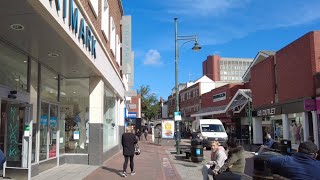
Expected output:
{"points": [[128, 141], [236, 159], [296, 167]]}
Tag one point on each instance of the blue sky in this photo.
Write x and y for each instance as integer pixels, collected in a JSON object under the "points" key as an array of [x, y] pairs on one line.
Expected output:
{"points": [[230, 28]]}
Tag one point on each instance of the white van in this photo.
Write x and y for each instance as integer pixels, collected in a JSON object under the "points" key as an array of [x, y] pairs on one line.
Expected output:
{"points": [[212, 130]]}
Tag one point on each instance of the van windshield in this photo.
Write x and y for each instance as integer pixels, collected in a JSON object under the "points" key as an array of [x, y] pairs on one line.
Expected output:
{"points": [[212, 128]]}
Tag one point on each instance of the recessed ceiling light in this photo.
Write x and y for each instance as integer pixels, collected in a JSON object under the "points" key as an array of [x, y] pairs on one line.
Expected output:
{"points": [[24, 61], [53, 55], [17, 27], [74, 92]]}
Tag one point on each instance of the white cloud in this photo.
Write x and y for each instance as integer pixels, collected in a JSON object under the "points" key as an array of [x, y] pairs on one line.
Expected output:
{"points": [[205, 7], [152, 57], [220, 21]]}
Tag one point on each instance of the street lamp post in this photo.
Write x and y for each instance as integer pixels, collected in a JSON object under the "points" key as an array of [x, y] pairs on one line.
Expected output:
{"points": [[196, 47]]}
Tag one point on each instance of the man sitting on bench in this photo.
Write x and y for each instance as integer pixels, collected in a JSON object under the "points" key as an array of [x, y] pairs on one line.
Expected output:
{"points": [[218, 156], [267, 144]]}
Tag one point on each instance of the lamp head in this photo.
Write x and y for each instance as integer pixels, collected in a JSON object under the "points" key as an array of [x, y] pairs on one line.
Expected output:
{"points": [[196, 47]]}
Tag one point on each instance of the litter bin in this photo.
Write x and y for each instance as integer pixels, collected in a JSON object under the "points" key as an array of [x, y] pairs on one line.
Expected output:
{"points": [[285, 146], [196, 151]]}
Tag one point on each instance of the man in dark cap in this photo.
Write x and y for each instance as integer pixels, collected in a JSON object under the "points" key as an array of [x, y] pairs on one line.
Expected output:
{"points": [[301, 165]]}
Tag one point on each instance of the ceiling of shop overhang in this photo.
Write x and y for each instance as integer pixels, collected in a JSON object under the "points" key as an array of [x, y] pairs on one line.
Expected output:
{"points": [[38, 39]]}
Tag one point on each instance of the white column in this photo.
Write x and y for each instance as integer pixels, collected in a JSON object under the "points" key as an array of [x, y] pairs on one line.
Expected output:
{"points": [[315, 127], [286, 126], [257, 130], [152, 134], [96, 100], [305, 126], [121, 113]]}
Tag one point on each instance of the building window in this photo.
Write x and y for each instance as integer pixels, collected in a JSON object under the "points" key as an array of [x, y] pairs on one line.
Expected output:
{"points": [[197, 93], [94, 6], [105, 19], [49, 87], [109, 123], [182, 97], [74, 115], [112, 36], [13, 68], [118, 50]]}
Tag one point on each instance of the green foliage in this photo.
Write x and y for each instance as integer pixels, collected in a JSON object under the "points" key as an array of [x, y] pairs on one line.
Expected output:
{"points": [[149, 103]]}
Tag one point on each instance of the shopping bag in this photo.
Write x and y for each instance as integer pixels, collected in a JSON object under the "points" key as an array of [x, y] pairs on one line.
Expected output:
{"points": [[136, 149]]}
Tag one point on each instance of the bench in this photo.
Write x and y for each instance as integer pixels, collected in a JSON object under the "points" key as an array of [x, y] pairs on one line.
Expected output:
{"points": [[185, 149]]}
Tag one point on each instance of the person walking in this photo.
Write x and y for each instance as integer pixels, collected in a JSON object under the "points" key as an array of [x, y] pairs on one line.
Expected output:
{"points": [[128, 142], [138, 134], [145, 132]]}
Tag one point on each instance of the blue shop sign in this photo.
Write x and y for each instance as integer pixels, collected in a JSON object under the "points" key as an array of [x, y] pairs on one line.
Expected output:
{"points": [[132, 115], [43, 120]]}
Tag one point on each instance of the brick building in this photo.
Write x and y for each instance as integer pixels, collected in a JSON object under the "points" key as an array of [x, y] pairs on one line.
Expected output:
{"points": [[226, 103], [285, 87], [225, 69]]}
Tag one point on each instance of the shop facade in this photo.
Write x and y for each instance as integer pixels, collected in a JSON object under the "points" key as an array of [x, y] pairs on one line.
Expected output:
{"points": [[290, 121], [61, 90], [284, 89]]}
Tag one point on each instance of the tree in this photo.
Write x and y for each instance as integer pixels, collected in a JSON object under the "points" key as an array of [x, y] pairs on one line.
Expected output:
{"points": [[149, 103]]}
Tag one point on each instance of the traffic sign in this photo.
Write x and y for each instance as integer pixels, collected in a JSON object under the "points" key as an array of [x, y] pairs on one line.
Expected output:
{"points": [[177, 116]]}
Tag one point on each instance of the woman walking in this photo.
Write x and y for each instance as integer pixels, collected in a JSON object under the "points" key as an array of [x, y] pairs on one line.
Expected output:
{"points": [[128, 142]]}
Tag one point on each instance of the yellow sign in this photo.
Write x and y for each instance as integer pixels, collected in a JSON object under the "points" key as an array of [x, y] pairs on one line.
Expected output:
{"points": [[167, 126], [167, 129]]}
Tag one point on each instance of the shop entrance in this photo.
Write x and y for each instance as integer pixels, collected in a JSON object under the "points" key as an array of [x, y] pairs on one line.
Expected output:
{"points": [[15, 137]]}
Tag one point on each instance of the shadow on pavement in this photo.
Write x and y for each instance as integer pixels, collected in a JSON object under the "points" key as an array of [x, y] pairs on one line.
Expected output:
{"points": [[116, 171], [151, 152], [182, 158]]}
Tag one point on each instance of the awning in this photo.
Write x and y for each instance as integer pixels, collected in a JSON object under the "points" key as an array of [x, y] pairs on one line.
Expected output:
{"points": [[237, 103], [239, 100], [210, 111]]}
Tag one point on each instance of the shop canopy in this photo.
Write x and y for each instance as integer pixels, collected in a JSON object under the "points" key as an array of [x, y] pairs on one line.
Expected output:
{"points": [[237, 103]]}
